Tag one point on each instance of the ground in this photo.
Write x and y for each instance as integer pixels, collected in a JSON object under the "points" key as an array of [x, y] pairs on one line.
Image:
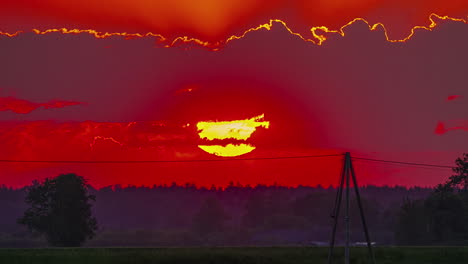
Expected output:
{"points": [[257, 255]]}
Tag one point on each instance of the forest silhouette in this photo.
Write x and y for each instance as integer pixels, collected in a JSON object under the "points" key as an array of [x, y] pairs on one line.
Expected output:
{"points": [[187, 215]]}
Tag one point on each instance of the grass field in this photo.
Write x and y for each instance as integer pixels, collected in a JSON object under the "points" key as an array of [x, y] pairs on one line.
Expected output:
{"points": [[257, 255]]}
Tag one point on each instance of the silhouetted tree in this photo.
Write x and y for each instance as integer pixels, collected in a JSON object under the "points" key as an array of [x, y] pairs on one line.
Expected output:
{"points": [[60, 209], [460, 179], [411, 224], [448, 206], [210, 218], [442, 217], [447, 216]]}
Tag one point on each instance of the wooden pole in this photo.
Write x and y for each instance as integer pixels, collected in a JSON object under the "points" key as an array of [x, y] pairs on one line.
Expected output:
{"points": [[361, 211], [347, 238], [336, 211], [348, 171]]}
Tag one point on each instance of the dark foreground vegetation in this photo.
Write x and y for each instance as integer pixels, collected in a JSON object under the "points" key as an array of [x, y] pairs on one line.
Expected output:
{"points": [[187, 216], [65, 211], [271, 255]]}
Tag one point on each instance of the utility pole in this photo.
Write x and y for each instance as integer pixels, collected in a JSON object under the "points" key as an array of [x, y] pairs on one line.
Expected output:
{"points": [[348, 171], [346, 219]]}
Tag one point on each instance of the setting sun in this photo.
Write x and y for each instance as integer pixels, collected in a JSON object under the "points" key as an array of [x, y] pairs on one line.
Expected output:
{"points": [[236, 129], [229, 150]]}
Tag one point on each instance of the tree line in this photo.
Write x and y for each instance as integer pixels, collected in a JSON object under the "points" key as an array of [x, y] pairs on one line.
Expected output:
{"points": [[67, 211]]}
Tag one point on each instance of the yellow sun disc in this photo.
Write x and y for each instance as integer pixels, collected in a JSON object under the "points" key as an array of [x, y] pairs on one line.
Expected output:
{"points": [[237, 129], [229, 150]]}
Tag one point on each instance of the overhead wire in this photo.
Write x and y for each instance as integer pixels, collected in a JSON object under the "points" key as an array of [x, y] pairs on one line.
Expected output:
{"points": [[394, 162], [166, 161], [404, 163]]}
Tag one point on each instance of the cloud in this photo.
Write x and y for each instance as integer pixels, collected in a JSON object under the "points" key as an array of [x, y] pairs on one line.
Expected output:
{"points": [[21, 106], [187, 89], [454, 97], [214, 20], [442, 128], [94, 141], [46, 139]]}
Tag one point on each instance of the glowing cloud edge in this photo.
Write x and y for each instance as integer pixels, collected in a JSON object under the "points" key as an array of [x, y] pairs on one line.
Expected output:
{"points": [[318, 32]]}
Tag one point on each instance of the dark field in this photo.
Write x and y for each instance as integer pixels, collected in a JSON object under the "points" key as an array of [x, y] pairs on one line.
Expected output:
{"points": [[270, 255]]}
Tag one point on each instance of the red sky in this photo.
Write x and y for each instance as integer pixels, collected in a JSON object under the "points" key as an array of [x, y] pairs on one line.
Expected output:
{"points": [[140, 101]]}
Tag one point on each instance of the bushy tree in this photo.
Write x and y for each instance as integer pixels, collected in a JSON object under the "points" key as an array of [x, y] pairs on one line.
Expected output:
{"points": [[447, 215], [441, 218], [460, 179], [60, 209]]}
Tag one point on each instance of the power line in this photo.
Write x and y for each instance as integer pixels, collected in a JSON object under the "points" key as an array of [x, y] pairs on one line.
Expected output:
{"points": [[405, 163], [165, 161], [222, 160]]}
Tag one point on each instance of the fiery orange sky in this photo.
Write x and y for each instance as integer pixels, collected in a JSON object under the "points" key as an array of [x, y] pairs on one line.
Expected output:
{"points": [[77, 97]]}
